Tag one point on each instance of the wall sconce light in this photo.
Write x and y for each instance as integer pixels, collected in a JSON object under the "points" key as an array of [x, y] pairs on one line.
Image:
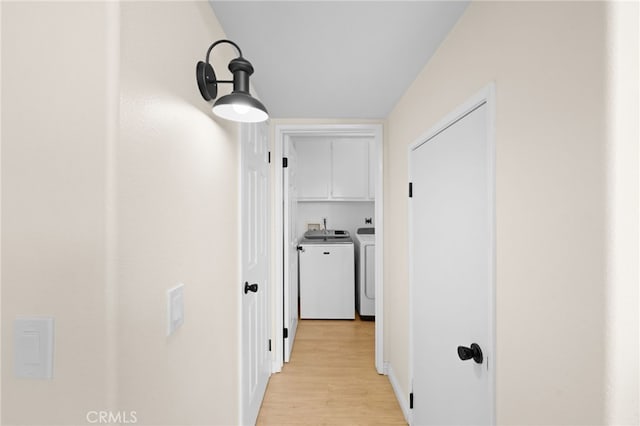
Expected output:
{"points": [[239, 105]]}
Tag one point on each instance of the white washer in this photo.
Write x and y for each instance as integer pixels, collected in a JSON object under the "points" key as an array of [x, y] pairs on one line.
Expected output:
{"points": [[326, 279], [365, 272]]}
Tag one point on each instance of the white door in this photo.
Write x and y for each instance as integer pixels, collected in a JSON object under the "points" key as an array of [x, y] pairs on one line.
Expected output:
{"points": [[452, 270], [290, 249], [256, 367]]}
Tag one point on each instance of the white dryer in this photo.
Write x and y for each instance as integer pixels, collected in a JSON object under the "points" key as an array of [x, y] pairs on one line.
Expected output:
{"points": [[365, 272]]}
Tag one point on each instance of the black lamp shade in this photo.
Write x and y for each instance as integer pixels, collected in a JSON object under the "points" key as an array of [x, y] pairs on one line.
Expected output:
{"points": [[239, 106]]}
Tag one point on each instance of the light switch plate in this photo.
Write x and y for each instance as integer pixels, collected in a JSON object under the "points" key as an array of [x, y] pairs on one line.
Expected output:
{"points": [[175, 308], [33, 347]]}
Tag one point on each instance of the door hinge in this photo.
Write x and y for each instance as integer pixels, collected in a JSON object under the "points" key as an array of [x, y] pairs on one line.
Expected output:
{"points": [[269, 345], [285, 333], [411, 400], [410, 189], [269, 157], [285, 162]]}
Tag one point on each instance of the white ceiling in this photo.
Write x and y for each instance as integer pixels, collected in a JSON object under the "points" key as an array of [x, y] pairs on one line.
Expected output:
{"points": [[335, 59]]}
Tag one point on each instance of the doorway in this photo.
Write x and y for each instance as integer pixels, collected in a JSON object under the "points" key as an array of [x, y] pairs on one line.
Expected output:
{"points": [[284, 306]]}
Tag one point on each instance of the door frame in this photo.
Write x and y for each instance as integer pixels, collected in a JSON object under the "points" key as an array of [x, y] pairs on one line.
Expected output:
{"points": [[485, 96], [282, 133]]}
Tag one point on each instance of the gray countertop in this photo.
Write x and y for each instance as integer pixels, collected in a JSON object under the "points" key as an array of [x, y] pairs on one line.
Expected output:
{"points": [[326, 241]]}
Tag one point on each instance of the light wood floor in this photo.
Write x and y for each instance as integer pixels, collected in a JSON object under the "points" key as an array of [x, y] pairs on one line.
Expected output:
{"points": [[331, 380]]}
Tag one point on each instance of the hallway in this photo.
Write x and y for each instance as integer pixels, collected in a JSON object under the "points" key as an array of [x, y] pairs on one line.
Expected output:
{"points": [[331, 380]]}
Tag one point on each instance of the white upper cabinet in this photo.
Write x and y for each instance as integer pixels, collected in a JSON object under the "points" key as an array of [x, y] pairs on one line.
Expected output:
{"points": [[335, 169], [314, 168], [350, 174]]}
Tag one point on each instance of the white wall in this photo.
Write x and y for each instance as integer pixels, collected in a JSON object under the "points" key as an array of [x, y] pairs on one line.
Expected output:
{"points": [[548, 60], [1, 340], [623, 192], [55, 119], [177, 221], [117, 183]]}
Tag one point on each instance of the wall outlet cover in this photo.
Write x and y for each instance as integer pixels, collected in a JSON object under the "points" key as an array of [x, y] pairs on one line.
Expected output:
{"points": [[175, 308]]}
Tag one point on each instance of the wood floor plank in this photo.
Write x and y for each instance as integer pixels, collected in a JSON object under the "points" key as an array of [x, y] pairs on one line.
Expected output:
{"points": [[331, 379]]}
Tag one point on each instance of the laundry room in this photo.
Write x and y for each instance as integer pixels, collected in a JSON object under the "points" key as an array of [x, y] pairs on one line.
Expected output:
{"points": [[335, 193], [330, 209]]}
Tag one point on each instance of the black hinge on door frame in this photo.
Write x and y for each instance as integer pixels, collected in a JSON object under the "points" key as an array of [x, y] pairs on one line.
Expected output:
{"points": [[269, 345], [411, 400], [269, 157], [285, 333], [285, 162], [410, 189]]}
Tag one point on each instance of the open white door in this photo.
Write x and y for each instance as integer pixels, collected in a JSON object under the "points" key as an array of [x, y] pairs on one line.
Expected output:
{"points": [[452, 272], [256, 365], [290, 249]]}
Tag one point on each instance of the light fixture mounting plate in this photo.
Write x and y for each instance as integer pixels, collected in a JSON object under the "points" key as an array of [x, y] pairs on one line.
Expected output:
{"points": [[207, 82]]}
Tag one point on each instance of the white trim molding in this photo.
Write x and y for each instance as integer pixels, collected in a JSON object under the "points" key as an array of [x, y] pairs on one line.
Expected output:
{"points": [[403, 400]]}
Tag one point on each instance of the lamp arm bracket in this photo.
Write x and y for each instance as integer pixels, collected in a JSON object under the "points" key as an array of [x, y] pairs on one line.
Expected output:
{"points": [[220, 42]]}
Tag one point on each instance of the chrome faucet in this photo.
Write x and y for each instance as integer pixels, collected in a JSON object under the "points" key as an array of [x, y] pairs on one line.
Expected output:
{"points": [[324, 221]]}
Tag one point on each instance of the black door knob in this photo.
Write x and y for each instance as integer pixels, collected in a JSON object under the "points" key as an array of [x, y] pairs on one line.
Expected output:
{"points": [[468, 353], [250, 287]]}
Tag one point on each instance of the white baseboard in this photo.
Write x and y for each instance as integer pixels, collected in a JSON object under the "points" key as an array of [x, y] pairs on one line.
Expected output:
{"points": [[403, 399]]}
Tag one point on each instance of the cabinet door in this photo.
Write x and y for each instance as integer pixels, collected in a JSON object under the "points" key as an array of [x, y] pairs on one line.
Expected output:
{"points": [[314, 167], [350, 175]]}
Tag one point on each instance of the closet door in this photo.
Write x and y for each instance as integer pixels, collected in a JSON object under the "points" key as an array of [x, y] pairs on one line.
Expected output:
{"points": [[451, 265]]}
